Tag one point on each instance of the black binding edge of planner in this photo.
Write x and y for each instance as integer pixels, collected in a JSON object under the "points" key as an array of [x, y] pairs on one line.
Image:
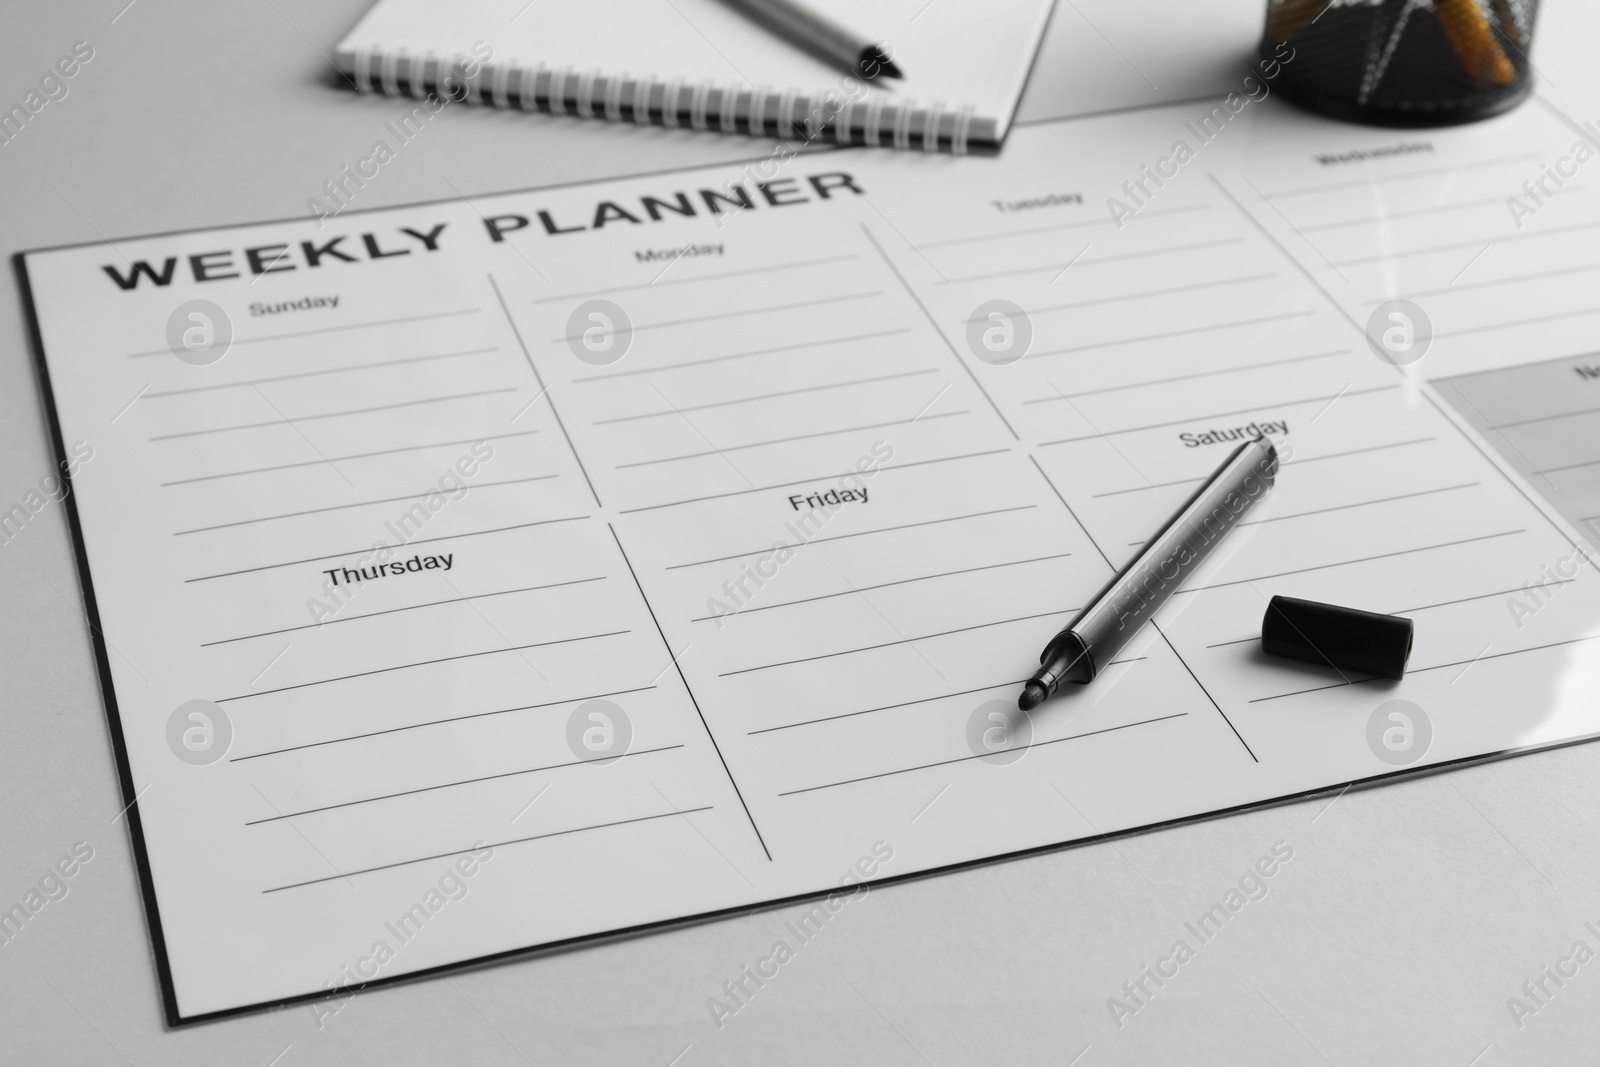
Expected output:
{"points": [[175, 1019], [102, 659]]}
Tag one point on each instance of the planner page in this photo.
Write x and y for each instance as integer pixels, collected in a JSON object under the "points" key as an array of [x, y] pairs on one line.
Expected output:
{"points": [[491, 574]]}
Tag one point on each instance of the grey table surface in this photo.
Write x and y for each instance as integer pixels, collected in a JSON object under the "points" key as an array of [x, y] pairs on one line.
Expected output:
{"points": [[1406, 919]]}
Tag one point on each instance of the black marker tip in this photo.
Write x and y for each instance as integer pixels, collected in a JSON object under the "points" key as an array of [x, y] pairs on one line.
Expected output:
{"points": [[1033, 695], [875, 63]]}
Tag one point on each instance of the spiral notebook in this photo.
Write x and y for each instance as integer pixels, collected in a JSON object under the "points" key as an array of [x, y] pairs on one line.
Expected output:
{"points": [[704, 65]]}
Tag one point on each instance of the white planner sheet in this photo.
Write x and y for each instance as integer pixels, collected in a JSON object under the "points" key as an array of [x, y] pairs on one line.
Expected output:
{"points": [[441, 619]]}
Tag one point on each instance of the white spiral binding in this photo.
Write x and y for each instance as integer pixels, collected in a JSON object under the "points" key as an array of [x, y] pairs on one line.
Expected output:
{"points": [[363, 69], [614, 87], [669, 102], [558, 91], [426, 73], [417, 76], [497, 85], [930, 128], [902, 125], [528, 88], [389, 71], [958, 140], [642, 91], [785, 121], [758, 111], [872, 126], [698, 105], [816, 121], [586, 94]]}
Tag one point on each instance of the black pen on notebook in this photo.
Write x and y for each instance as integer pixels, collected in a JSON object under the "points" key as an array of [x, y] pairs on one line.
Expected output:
{"points": [[1090, 641], [808, 28]]}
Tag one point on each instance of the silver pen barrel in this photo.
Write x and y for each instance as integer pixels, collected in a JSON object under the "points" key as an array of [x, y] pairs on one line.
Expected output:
{"points": [[815, 32], [1138, 591]]}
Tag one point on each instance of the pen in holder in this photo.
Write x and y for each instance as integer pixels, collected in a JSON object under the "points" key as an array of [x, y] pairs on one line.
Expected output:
{"points": [[1403, 62]]}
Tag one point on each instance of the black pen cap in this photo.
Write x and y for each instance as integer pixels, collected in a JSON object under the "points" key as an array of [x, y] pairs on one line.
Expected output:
{"points": [[1343, 638]]}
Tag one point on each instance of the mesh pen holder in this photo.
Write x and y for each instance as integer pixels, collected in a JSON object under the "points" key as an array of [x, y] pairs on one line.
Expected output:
{"points": [[1402, 62]]}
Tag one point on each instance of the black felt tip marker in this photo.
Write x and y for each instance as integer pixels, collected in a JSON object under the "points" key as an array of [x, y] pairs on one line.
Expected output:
{"points": [[1100, 631]]}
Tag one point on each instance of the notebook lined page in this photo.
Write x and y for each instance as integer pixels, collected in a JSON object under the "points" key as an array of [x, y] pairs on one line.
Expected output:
{"points": [[658, 547]]}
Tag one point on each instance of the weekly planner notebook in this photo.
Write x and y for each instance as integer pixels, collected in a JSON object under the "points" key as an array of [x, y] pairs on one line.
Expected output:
{"points": [[468, 579]]}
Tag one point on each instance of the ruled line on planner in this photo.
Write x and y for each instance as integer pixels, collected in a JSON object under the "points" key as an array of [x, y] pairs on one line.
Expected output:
{"points": [[881, 585], [1480, 596], [1118, 298], [1272, 239], [739, 313], [438, 722], [985, 755], [1235, 641], [321, 373], [891, 644], [1544, 418], [817, 478], [799, 346], [337, 414], [1152, 485], [1402, 253], [1167, 335], [716, 746], [1350, 562], [424, 663], [1567, 467], [496, 844], [357, 504], [790, 440], [1414, 212], [1288, 463], [933, 323], [886, 707], [766, 396], [408, 607], [1004, 235], [451, 785], [1522, 490], [722, 276], [1094, 261], [342, 459], [1423, 607], [1509, 324], [1435, 667], [1186, 377], [1507, 280], [1194, 419], [237, 341], [1357, 451], [1360, 504], [856, 533], [1498, 592], [1408, 175], [1317, 689], [367, 550], [544, 390], [1073, 514], [1206, 692]]}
